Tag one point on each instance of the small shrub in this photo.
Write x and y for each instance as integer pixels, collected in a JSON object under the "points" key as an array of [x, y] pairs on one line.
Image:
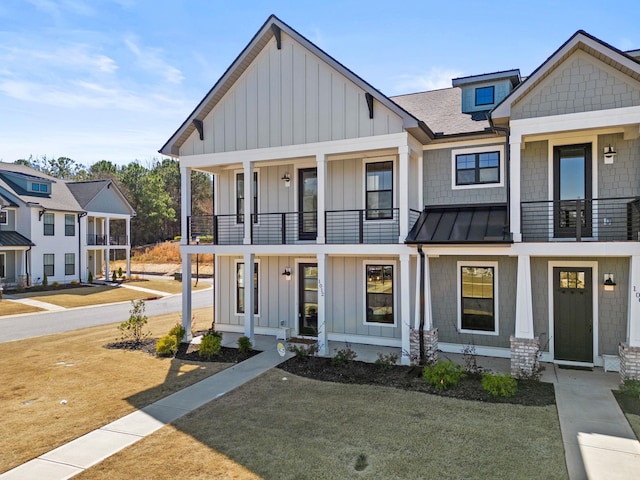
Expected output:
{"points": [[55, 284], [387, 360], [344, 356], [630, 388], [90, 279], [244, 345], [470, 362], [210, 345], [132, 328], [45, 280], [302, 351], [361, 462], [177, 331], [114, 276], [120, 272], [444, 374], [74, 282], [499, 385], [167, 346]]}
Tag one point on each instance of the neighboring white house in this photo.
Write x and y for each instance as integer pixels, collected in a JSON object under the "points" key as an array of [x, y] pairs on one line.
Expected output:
{"points": [[58, 228], [502, 213]]}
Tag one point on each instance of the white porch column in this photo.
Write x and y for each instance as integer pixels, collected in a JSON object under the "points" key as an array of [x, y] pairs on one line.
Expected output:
{"points": [[428, 318], [186, 294], [633, 320], [514, 178], [107, 251], [524, 305], [405, 307], [402, 187], [128, 234], [248, 203], [185, 205], [321, 160], [323, 342], [249, 270]]}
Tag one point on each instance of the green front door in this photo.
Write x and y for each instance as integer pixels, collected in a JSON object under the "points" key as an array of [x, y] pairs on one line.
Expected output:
{"points": [[572, 314]]}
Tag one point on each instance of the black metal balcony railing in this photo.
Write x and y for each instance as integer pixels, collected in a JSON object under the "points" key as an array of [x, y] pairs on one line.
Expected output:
{"points": [[93, 239], [602, 219], [342, 227], [118, 240]]}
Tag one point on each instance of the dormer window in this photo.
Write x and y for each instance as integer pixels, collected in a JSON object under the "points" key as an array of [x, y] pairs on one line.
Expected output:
{"points": [[39, 187], [485, 95]]}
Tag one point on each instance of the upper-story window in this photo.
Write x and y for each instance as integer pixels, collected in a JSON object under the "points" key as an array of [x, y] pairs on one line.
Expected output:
{"points": [[39, 187], [485, 95], [49, 227], [240, 197], [379, 190], [69, 225], [3, 217], [478, 167]]}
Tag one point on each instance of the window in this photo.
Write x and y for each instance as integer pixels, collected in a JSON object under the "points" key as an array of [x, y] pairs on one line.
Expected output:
{"points": [[379, 298], [379, 190], [69, 263], [3, 217], [485, 95], [478, 297], [48, 261], [478, 168], [240, 197], [69, 225], [240, 283], [39, 187], [49, 227]]}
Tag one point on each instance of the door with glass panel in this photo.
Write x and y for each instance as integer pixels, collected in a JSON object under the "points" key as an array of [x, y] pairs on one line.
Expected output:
{"points": [[308, 299], [572, 191], [308, 203]]}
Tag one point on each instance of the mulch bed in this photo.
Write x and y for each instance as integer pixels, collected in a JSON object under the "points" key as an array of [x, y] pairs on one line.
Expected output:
{"points": [[530, 393]]}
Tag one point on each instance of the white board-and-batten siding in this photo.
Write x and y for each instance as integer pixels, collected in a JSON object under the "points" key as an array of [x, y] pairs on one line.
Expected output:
{"points": [[289, 97]]}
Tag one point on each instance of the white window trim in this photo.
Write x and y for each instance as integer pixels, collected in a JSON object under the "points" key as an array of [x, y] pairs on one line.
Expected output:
{"points": [[235, 287], [483, 149], [496, 299], [6, 217], [235, 196], [381, 261], [394, 174], [74, 264]]}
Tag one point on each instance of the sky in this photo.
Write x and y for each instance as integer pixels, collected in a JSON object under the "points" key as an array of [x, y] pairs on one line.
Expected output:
{"points": [[114, 79]]}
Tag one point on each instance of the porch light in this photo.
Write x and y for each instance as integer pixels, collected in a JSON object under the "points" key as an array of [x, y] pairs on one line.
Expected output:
{"points": [[609, 154], [287, 273], [287, 180], [609, 283]]}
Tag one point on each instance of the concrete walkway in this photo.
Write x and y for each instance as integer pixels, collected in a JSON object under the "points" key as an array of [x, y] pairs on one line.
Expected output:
{"points": [[90, 449]]}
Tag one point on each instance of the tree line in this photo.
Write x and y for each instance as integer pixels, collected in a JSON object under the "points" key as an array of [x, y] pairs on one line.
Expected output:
{"points": [[153, 191]]}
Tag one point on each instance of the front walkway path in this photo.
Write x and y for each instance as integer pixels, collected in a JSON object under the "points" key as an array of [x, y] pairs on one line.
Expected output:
{"points": [[74, 457]]}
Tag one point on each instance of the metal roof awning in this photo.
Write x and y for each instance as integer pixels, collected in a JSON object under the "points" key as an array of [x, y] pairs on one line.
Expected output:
{"points": [[9, 238], [461, 224]]}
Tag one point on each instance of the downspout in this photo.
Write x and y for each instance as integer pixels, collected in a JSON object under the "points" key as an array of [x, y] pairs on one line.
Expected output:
{"points": [[80, 215], [422, 305], [507, 156]]}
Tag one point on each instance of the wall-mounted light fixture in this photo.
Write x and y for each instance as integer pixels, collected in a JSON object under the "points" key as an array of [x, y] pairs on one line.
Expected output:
{"points": [[609, 154], [609, 283], [287, 273], [286, 179]]}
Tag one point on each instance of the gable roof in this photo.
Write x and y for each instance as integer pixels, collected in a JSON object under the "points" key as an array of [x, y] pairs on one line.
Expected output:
{"points": [[272, 27], [85, 192], [10, 238], [579, 40]]}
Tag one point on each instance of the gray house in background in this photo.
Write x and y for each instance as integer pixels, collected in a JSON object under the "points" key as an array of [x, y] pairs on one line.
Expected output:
{"points": [[503, 212], [64, 230]]}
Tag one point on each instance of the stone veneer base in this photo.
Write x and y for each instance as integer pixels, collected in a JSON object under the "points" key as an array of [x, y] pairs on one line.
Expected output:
{"points": [[524, 356], [629, 362]]}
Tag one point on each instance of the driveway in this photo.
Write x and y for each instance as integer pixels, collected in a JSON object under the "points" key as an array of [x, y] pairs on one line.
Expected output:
{"points": [[45, 323]]}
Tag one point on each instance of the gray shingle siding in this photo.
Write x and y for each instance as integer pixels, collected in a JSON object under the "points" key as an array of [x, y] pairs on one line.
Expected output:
{"points": [[622, 178]]}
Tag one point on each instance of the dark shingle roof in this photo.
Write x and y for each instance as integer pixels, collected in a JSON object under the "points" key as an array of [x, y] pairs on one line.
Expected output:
{"points": [[440, 110], [84, 192], [9, 238]]}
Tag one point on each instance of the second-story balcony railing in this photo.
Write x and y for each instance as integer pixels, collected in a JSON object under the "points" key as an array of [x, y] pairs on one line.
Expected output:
{"points": [[602, 219], [118, 240], [341, 227], [93, 239]]}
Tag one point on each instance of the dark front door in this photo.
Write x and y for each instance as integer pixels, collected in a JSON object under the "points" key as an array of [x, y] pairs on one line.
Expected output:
{"points": [[572, 191], [308, 203], [308, 299], [573, 314]]}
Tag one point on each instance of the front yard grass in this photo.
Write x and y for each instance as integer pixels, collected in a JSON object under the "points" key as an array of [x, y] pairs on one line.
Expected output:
{"points": [[630, 406], [7, 307], [302, 428], [85, 296], [167, 286], [99, 385]]}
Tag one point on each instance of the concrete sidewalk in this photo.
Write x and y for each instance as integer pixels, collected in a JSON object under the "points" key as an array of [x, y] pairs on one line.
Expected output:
{"points": [[79, 454]]}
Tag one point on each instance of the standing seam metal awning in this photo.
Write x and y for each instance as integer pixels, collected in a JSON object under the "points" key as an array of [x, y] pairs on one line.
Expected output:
{"points": [[461, 224], [9, 238]]}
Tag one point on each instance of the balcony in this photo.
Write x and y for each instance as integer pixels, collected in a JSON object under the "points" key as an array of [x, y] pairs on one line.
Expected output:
{"points": [[602, 220], [287, 228], [93, 239], [118, 240]]}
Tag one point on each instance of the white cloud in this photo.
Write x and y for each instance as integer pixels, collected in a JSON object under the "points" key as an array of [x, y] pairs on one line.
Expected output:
{"points": [[150, 59], [43, 60], [435, 78]]}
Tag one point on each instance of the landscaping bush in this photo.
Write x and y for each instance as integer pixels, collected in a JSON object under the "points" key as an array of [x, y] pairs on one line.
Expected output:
{"points": [[499, 385], [443, 375], [210, 345], [344, 356], [244, 345], [132, 328], [55, 284], [45, 280], [302, 351], [177, 331], [120, 272], [387, 360], [630, 388], [167, 346], [114, 276], [90, 279]]}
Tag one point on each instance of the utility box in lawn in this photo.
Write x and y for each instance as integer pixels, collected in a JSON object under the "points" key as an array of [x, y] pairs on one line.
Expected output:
{"points": [[177, 276]]}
